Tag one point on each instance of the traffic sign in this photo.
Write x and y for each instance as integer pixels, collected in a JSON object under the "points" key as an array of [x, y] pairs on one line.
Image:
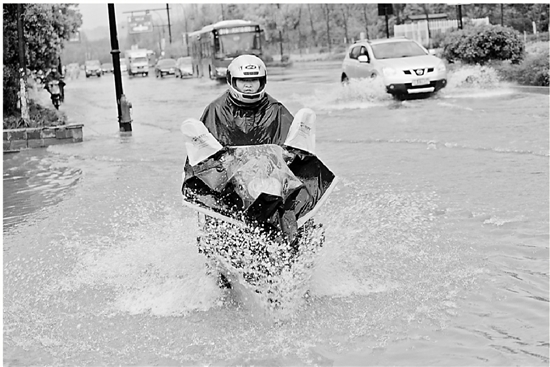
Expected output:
{"points": [[385, 9], [140, 24]]}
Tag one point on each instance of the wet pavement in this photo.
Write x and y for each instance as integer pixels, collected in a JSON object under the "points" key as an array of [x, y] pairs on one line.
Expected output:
{"points": [[436, 251]]}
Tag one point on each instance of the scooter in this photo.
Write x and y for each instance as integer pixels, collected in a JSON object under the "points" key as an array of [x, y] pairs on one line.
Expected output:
{"points": [[54, 88], [256, 206]]}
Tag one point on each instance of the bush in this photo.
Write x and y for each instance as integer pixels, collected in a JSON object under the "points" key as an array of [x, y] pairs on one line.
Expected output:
{"points": [[39, 116], [534, 70], [484, 43]]}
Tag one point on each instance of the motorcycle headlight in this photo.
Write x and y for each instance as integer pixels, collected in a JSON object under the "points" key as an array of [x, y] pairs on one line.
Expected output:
{"points": [[389, 71]]}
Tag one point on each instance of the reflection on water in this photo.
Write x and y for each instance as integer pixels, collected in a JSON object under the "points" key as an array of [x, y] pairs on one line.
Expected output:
{"points": [[34, 180]]}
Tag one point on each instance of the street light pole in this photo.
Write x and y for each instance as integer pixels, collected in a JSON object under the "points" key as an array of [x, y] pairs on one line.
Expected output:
{"points": [[169, 28], [115, 52]]}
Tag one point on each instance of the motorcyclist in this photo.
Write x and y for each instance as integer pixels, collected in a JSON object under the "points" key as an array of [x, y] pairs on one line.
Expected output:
{"points": [[243, 115], [55, 76]]}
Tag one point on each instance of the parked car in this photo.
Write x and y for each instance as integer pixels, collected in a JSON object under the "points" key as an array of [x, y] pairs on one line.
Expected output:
{"points": [[107, 68], [184, 67], [165, 67], [405, 66], [92, 67]]}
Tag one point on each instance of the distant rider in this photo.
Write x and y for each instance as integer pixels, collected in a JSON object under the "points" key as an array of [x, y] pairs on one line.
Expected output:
{"points": [[54, 75]]}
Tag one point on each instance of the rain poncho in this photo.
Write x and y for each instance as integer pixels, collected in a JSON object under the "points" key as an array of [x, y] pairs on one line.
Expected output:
{"points": [[235, 123], [246, 174]]}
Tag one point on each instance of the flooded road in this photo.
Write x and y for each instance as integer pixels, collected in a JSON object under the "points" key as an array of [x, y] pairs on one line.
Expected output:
{"points": [[436, 246]]}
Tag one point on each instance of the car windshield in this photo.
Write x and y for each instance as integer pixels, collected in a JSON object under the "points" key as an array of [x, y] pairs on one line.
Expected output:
{"points": [[167, 62], [395, 50], [236, 44], [139, 59], [92, 63]]}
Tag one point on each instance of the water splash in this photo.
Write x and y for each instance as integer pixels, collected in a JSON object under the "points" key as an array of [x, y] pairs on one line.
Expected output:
{"points": [[152, 267], [270, 274], [358, 93], [464, 81], [471, 81]]}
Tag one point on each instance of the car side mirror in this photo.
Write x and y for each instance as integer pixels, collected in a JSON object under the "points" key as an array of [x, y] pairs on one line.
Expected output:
{"points": [[363, 58], [432, 51]]}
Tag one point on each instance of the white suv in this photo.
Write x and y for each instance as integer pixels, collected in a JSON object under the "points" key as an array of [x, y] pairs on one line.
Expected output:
{"points": [[405, 66]]}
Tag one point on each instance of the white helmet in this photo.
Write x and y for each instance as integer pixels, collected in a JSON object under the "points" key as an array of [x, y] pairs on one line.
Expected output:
{"points": [[246, 67]]}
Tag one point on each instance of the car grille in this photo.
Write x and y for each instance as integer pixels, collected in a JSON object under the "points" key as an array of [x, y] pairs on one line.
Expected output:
{"points": [[416, 71]]}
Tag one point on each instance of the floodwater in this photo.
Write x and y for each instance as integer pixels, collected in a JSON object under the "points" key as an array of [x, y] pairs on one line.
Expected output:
{"points": [[436, 248]]}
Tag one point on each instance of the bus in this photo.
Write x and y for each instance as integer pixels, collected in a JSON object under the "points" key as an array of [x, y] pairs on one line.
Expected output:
{"points": [[216, 45]]}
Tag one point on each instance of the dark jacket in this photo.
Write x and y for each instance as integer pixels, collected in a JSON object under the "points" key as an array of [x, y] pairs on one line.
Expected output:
{"points": [[234, 123]]}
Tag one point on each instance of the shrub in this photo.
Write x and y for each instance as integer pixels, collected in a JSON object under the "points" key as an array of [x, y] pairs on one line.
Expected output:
{"points": [[483, 43], [534, 70], [39, 116]]}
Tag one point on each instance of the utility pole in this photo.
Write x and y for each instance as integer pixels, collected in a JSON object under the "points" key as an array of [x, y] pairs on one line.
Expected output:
{"points": [[385, 10], [387, 26], [459, 16], [122, 103], [169, 29], [502, 15]]}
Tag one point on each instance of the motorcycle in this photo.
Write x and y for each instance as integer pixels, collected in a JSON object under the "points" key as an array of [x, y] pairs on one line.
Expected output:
{"points": [[256, 206], [54, 88]]}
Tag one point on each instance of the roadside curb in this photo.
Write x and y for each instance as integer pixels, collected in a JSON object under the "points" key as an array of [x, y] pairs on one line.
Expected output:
{"points": [[532, 89], [39, 137]]}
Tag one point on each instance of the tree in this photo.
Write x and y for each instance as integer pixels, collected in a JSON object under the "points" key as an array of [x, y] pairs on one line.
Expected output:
{"points": [[311, 22], [46, 28], [364, 12], [346, 10], [327, 8]]}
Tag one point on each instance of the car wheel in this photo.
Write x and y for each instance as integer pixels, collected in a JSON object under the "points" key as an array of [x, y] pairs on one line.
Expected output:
{"points": [[399, 96], [344, 79]]}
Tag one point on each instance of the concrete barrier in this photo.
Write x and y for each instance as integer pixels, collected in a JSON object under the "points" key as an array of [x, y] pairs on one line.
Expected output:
{"points": [[39, 137], [531, 89]]}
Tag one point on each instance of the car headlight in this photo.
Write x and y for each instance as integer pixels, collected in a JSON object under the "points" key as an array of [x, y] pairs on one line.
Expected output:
{"points": [[389, 71], [441, 67]]}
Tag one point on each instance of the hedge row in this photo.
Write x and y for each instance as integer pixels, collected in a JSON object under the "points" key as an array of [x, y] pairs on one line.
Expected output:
{"points": [[533, 70], [484, 43], [503, 49]]}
